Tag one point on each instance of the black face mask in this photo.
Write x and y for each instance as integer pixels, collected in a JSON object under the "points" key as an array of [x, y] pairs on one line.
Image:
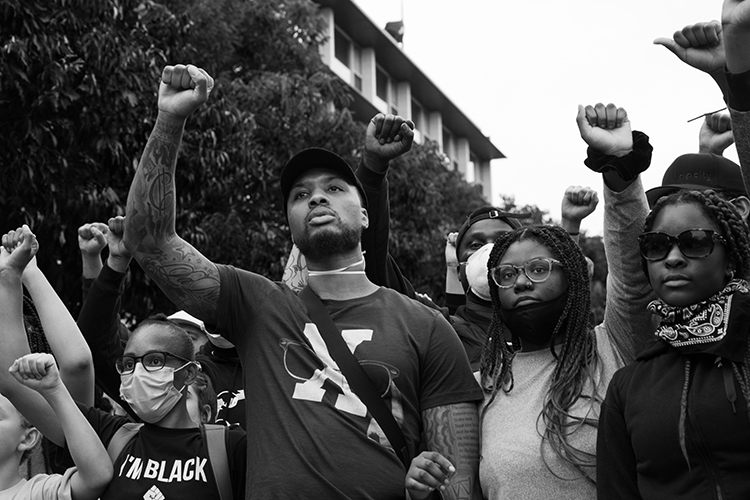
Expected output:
{"points": [[534, 323]]}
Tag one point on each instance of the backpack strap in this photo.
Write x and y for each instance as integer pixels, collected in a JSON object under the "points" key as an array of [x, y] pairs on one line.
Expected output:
{"points": [[215, 436], [121, 437], [358, 380]]}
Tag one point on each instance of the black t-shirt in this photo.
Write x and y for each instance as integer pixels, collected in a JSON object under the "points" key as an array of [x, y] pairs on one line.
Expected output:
{"points": [[311, 436], [163, 464]]}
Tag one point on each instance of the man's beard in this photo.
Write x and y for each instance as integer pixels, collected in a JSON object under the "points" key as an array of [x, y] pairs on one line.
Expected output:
{"points": [[325, 243]]}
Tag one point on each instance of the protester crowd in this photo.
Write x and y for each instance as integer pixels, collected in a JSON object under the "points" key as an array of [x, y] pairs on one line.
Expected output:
{"points": [[339, 380]]}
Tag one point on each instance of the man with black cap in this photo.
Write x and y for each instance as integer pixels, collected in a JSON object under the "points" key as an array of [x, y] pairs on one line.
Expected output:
{"points": [[310, 435]]}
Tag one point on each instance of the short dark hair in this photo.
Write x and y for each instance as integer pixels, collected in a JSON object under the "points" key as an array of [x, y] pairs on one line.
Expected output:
{"points": [[179, 343], [204, 390]]}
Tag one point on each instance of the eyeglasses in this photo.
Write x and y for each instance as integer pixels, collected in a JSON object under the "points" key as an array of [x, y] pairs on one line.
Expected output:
{"points": [[152, 362], [536, 270], [693, 243]]}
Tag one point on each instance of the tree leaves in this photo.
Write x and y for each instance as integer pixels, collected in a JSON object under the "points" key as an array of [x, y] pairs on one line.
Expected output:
{"points": [[78, 100]]}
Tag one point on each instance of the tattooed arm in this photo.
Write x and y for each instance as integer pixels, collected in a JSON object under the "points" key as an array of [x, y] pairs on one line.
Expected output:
{"points": [[189, 279], [451, 433]]}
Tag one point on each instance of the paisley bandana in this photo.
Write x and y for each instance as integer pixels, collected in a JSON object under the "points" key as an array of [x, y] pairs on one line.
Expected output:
{"points": [[702, 327]]}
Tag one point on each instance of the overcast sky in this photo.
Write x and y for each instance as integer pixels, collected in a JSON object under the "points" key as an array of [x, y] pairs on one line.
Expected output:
{"points": [[518, 70]]}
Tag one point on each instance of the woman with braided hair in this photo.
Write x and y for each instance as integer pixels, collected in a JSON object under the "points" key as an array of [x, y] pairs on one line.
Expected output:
{"points": [[543, 393], [676, 423]]}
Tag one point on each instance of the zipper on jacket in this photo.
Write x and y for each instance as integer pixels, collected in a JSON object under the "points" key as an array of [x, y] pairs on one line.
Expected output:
{"points": [[712, 472]]}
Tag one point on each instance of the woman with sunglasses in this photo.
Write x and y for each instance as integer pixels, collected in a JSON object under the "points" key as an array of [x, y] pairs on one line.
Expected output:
{"points": [[676, 423], [542, 394]]}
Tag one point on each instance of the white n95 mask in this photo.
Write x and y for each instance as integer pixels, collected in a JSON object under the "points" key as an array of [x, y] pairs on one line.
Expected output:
{"points": [[151, 394], [476, 272]]}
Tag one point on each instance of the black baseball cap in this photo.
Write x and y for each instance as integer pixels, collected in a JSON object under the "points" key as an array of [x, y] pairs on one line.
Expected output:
{"points": [[488, 212], [311, 158], [699, 171]]}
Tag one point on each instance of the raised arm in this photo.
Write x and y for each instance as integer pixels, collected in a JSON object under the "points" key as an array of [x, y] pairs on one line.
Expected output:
{"points": [[91, 242], [386, 138], [16, 251], [621, 155], [99, 319], [735, 22], [578, 203], [60, 329], [39, 372], [189, 279], [700, 46], [451, 462], [716, 134], [735, 19]]}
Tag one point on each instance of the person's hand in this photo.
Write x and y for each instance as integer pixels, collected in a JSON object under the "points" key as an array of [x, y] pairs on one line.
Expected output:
{"points": [[92, 239], [37, 371], [428, 471], [735, 22], [716, 134], [183, 89], [119, 256], [451, 259], [387, 137], [578, 203], [18, 248], [605, 129], [699, 45]]}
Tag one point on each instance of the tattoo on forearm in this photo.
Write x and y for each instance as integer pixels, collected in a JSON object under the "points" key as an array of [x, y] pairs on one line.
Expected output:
{"points": [[453, 431], [188, 278]]}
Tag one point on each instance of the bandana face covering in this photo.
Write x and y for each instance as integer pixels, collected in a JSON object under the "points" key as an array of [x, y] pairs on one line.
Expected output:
{"points": [[476, 272], [703, 326], [535, 322], [151, 394]]}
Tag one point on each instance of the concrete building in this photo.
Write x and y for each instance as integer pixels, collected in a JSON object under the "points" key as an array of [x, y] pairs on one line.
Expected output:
{"points": [[385, 80]]}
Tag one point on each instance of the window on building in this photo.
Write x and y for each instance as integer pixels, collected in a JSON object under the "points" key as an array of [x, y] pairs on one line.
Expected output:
{"points": [[381, 84], [417, 115], [357, 67], [447, 142], [342, 48], [471, 172], [348, 63], [393, 97]]}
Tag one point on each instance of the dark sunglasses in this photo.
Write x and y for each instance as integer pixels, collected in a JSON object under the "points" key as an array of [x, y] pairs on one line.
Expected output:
{"points": [[693, 243]]}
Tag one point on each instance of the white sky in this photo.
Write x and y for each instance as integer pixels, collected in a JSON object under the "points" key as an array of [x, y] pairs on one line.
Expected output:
{"points": [[518, 69]]}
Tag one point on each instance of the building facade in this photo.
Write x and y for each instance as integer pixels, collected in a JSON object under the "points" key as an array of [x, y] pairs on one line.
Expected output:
{"points": [[385, 80]]}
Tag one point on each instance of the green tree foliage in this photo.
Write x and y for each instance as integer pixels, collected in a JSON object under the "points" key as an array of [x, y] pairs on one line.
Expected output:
{"points": [[78, 100], [427, 202]]}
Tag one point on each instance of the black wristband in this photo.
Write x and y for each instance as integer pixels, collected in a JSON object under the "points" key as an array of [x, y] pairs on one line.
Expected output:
{"points": [[629, 166]]}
